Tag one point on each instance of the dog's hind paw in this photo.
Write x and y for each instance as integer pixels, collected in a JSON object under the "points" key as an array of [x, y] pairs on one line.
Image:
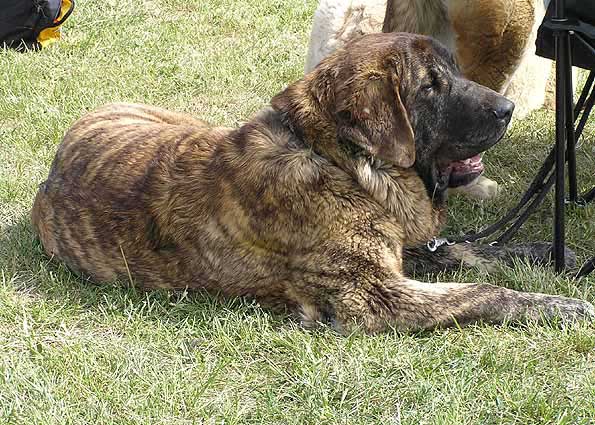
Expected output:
{"points": [[481, 188]]}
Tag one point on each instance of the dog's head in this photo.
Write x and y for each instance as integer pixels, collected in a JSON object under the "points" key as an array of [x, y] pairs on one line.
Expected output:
{"points": [[398, 98]]}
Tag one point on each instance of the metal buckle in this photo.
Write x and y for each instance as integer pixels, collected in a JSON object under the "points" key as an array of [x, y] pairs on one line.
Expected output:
{"points": [[579, 203], [436, 243]]}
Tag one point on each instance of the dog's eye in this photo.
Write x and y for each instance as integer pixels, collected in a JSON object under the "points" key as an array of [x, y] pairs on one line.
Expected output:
{"points": [[427, 87], [430, 86]]}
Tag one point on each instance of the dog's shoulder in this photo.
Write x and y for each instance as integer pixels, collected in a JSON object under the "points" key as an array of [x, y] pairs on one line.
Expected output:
{"points": [[274, 149]]}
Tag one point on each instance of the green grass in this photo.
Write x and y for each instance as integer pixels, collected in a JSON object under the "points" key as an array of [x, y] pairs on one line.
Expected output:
{"points": [[71, 352]]}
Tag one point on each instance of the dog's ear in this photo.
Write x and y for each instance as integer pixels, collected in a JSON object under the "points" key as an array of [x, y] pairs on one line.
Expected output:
{"points": [[301, 101], [288, 103], [371, 114]]}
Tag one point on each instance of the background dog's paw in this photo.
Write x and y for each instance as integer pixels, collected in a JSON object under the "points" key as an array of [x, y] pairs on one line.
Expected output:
{"points": [[481, 188]]}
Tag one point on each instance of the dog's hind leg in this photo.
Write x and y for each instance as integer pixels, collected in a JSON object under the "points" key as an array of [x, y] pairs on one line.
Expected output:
{"points": [[411, 305], [420, 261]]}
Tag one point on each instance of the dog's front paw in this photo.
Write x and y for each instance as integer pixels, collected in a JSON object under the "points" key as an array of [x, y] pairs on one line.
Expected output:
{"points": [[539, 253], [481, 188], [568, 310], [575, 310]]}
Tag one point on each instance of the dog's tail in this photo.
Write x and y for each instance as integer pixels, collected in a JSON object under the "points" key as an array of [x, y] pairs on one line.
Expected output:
{"points": [[41, 220]]}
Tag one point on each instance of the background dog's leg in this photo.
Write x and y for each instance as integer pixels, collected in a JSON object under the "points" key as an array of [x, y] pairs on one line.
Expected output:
{"points": [[413, 305], [480, 188], [420, 261]]}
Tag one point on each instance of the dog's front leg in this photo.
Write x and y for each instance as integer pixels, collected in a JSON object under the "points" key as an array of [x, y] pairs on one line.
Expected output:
{"points": [[412, 305], [420, 261]]}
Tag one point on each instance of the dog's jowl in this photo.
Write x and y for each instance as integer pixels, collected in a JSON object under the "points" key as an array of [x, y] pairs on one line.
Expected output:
{"points": [[308, 206]]}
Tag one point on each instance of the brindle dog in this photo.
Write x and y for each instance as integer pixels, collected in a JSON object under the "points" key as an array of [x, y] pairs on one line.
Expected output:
{"points": [[307, 206]]}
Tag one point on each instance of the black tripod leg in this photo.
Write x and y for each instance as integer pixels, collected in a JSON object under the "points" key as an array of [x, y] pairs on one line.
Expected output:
{"points": [[570, 142], [561, 44], [587, 268]]}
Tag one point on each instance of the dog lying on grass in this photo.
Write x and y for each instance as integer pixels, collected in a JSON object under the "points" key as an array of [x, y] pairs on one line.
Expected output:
{"points": [[308, 207]]}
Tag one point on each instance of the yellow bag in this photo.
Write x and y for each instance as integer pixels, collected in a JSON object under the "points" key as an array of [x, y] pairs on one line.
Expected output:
{"points": [[32, 24]]}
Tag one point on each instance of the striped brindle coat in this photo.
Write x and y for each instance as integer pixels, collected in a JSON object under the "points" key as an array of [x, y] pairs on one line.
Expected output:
{"points": [[308, 206]]}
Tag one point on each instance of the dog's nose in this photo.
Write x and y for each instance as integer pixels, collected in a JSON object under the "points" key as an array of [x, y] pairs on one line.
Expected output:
{"points": [[504, 109]]}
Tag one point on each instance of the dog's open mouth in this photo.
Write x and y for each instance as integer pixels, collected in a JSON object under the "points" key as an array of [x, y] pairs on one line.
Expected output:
{"points": [[461, 173]]}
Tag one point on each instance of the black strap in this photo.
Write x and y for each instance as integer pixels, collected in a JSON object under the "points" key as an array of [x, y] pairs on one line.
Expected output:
{"points": [[539, 187]]}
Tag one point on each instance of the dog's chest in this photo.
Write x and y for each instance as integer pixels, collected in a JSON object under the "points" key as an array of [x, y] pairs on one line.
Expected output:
{"points": [[403, 195]]}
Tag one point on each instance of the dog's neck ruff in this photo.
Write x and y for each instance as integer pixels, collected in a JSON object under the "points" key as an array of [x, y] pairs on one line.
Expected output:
{"points": [[401, 192]]}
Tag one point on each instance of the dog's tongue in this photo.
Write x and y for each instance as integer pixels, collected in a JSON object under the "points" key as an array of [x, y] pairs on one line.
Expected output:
{"points": [[465, 171], [469, 165]]}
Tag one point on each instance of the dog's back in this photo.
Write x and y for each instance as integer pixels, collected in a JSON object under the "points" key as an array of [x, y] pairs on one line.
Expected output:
{"points": [[106, 163], [140, 193]]}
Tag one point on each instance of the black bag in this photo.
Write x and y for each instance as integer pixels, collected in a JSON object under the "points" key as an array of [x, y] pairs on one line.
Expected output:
{"points": [[581, 15], [32, 24]]}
